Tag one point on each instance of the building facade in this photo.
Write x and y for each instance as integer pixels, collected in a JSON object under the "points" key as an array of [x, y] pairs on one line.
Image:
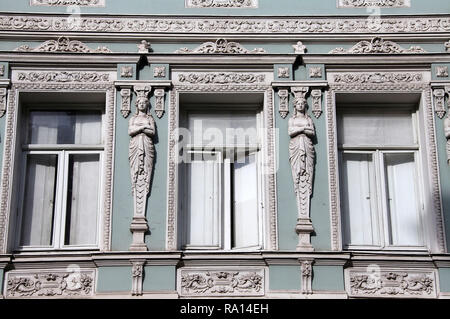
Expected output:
{"points": [[224, 148]]}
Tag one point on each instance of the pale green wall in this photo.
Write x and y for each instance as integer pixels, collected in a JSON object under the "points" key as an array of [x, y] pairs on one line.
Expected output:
{"points": [[444, 279], [328, 278], [159, 278], [114, 279], [284, 277], [266, 7]]}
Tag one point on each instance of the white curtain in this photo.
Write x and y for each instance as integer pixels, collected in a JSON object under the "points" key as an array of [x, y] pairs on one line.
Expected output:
{"points": [[203, 202], [82, 200], [39, 200], [88, 128], [402, 199], [358, 199], [245, 203], [370, 128]]}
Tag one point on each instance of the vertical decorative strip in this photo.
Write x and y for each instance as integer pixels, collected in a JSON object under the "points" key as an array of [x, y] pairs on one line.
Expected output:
{"points": [[172, 171], [283, 108]]}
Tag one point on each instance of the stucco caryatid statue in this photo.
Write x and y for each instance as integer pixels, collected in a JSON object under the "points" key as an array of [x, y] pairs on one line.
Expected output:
{"points": [[142, 130], [302, 157], [447, 135]]}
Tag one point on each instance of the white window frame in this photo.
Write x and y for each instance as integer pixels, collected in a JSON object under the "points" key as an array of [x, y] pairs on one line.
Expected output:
{"points": [[225, 213], [63, 151], [380, 202]]}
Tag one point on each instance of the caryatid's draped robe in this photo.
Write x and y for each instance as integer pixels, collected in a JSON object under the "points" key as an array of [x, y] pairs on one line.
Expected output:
{"points": [[141, 156], [301, 156]]}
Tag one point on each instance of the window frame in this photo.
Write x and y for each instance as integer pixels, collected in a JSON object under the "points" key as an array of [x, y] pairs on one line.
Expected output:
{"points": [[63, 152], [226, 211], [380, 180]]}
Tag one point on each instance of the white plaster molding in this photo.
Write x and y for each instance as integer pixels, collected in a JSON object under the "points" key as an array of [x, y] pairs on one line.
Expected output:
{"points": [[63, 44], [221, 46], [306, 272], [226, 25], [439, 102], [125, 108], [137, 276], [2, 69], [283, 73], [50, 283], [245, 4], [447, 46], [201, 82], [377, 282], [238, 282], [299, 48], [374, 3], [3, 99], [81, 3], [302, 159], [142, 130], [126, 71], [357, 82], [159, 72], [442, 71], [159, 105], [315, 72], [283, 106], [144, 47], [316, 95], [64, 80], [377, 45]]}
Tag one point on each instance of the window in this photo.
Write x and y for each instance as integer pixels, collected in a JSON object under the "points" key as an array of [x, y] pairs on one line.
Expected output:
{"points": [[59, 201], [381, 196], [221, 194]]}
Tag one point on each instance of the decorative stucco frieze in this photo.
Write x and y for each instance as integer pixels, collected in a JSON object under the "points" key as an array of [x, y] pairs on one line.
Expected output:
{"points": [[56, 3], [209, 78], [221, 46], [50, 283], [62, 77], [144, 47], [283, 73], [2, 69], [63, 45], [159, 104], [239, 282], [447, 136], [377, 45], [390, 283], [374, 3], [137, 276], [225, 25], [221, 3], [439, 102]]}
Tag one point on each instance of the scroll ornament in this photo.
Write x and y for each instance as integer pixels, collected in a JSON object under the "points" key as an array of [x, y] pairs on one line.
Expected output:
{"points": [[302, 159], [142, 129], [63, 44], [221, 46], [377, 45]]}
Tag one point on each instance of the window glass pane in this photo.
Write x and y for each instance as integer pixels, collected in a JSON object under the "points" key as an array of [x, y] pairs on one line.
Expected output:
{"points": [[64, 127], [223, 129], [358, 200], [203, 200], [402, 199], [82, 199], [39, 200], [245, 202], [375, 128]]}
